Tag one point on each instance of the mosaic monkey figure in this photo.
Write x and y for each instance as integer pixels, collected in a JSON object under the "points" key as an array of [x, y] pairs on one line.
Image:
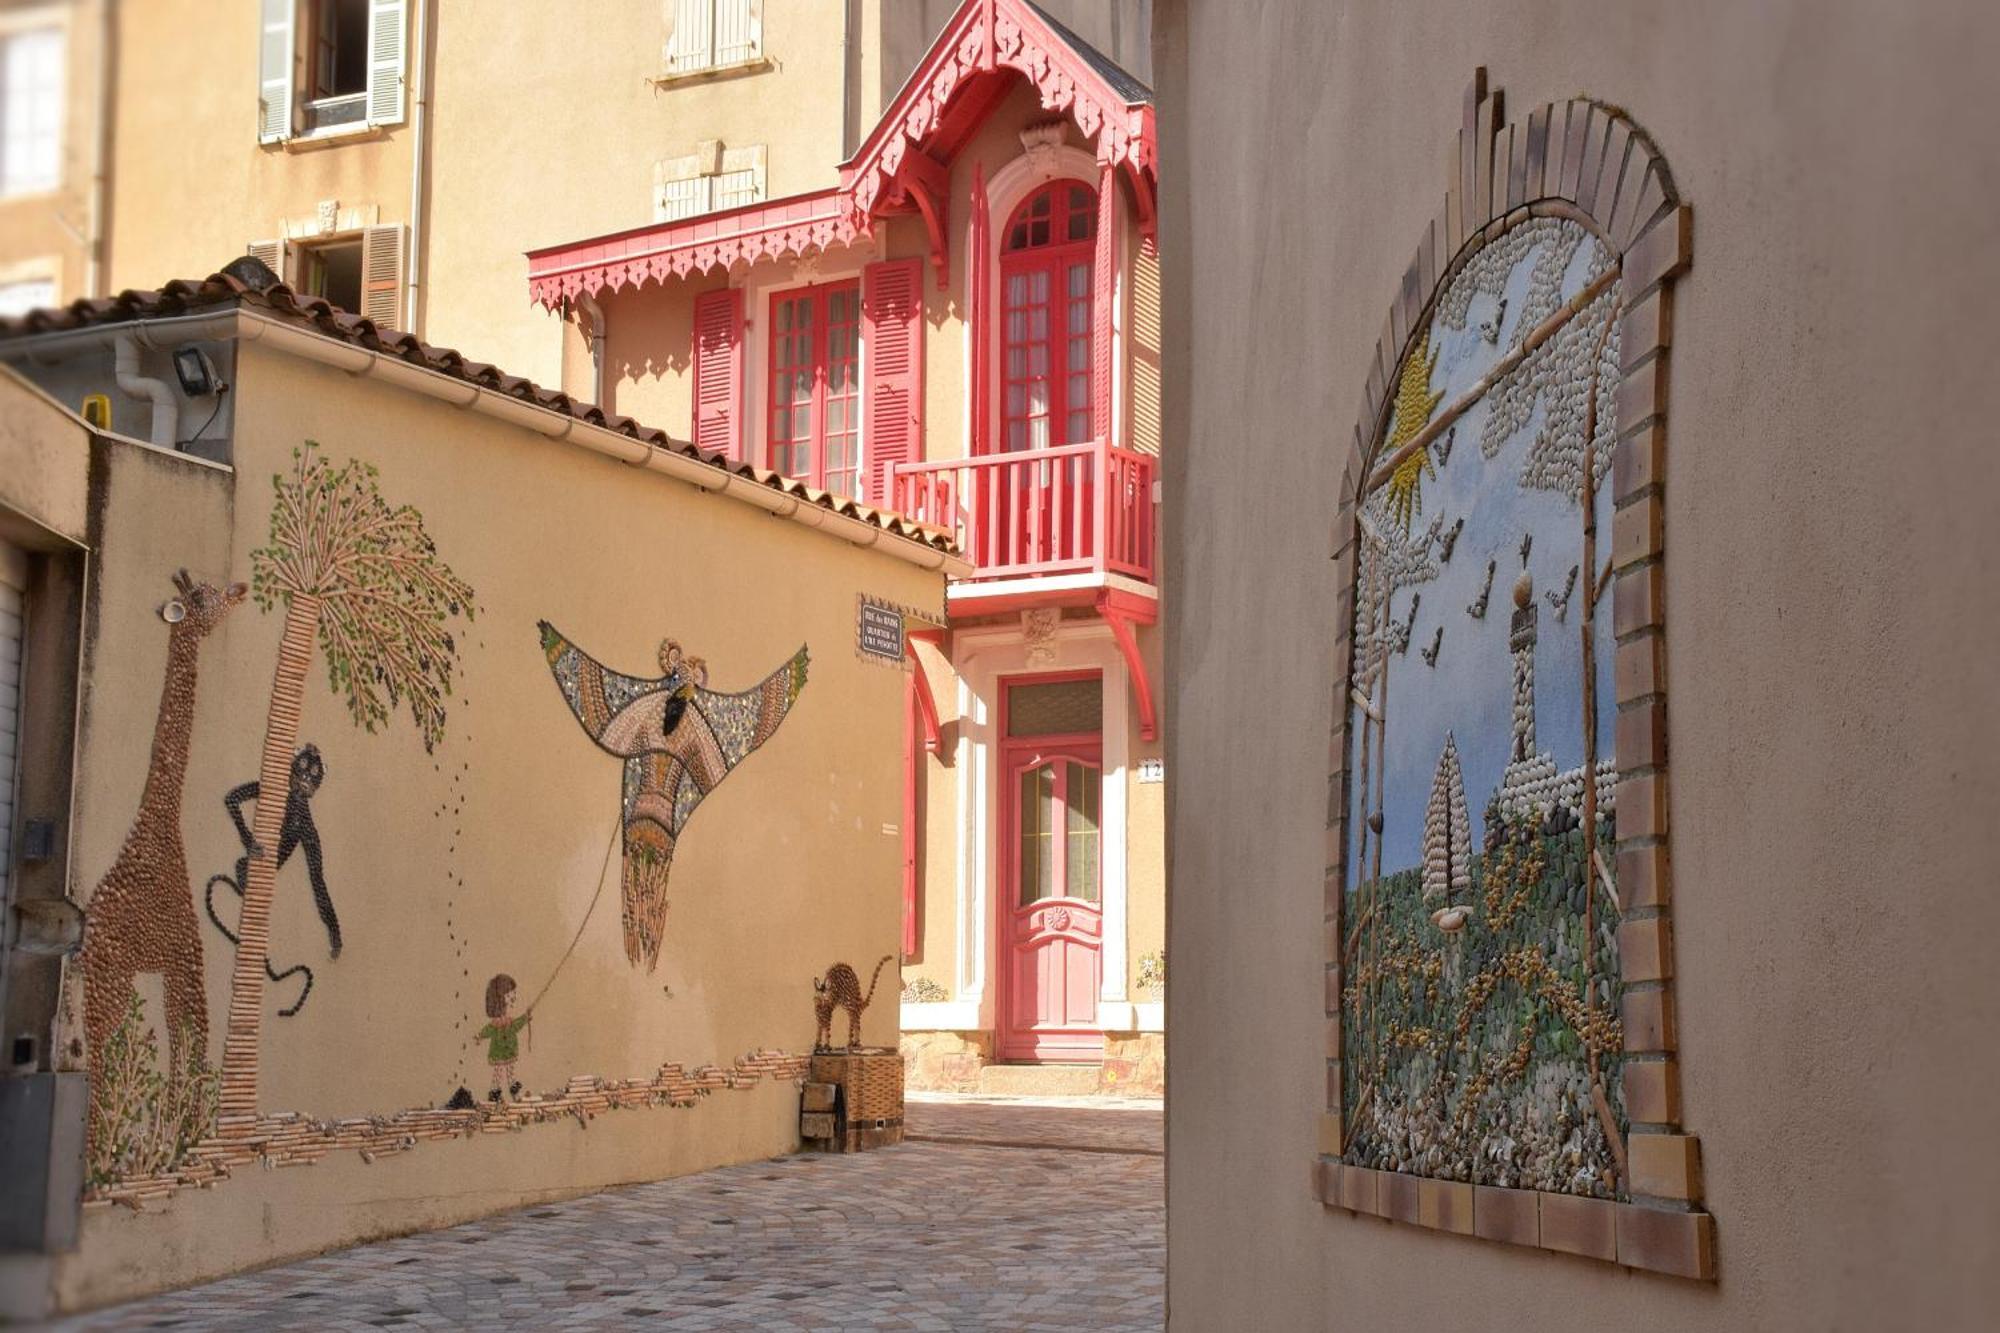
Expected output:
{"points": [[840, 988], [298, 833], [141, 916]]}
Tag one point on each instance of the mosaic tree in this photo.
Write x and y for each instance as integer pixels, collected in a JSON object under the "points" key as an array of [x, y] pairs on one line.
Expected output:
{"points": [[361, 580]]}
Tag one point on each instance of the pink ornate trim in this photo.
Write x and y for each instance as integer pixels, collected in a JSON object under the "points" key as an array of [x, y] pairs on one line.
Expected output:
{"points": [[799, 225]]}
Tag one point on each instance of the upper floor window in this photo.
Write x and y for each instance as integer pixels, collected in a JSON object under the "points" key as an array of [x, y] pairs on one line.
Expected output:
{"points": [[31, 111], [707, 180], [337, 63], [1045, 272], [329, 65], [815, 398], [358, 268], [22, 295], [714, 34]]}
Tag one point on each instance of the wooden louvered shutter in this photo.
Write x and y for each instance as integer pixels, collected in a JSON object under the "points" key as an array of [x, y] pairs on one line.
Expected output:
{"points": [[892, 373], [693, 44], [718, 371], [385, 61], [277, 101], [271, 254], [382, 275]]}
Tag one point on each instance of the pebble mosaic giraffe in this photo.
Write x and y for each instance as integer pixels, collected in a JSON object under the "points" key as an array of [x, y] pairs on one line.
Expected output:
{"points": [[141, 917]]}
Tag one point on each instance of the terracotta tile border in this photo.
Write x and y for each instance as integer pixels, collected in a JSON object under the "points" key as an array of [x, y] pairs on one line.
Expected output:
{"points": [[1589, 163]]}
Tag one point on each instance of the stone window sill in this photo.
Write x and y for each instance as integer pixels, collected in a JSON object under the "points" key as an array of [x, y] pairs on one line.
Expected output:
{"points": [[1678, 1241], [714, 73], [332, 138]]}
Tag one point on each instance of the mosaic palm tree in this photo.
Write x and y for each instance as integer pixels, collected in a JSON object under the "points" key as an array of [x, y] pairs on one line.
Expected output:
{"points": [[361, 580]]}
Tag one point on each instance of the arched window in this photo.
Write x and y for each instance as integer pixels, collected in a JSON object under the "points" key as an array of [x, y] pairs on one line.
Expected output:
{"points": [[1045, 274]]}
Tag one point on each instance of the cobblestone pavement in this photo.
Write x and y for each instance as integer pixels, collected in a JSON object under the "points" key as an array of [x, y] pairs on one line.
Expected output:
{"points": [[928, 1235], [1099, 1124]]}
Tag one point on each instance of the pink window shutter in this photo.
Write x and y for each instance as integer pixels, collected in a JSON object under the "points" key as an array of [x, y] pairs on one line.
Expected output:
{"points": [[892, 377], [718, 372]]}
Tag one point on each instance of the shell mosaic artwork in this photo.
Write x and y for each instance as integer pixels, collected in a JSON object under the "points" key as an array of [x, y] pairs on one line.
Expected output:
{"points": [[1480, 999], [678, 739]]}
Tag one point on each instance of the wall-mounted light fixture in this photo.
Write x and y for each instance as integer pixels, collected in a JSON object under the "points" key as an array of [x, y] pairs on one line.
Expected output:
{"points": [[195, 372]]}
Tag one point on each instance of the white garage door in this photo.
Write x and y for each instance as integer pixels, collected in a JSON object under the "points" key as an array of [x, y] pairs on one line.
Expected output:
{"points": [[13, 577]]}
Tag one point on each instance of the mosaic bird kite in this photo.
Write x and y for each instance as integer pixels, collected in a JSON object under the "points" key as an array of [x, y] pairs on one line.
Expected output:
{"points": [[678, 740]]}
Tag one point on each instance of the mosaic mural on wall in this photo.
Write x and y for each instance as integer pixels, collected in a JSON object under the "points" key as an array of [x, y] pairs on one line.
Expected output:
{"points": [[1480, 1032], [145, 1112], [298, 833], [678, 739], [840, 989], [362, 587]]}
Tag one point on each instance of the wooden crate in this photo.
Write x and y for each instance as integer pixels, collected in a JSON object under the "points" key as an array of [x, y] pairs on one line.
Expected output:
{"points": [[853, 1100]]}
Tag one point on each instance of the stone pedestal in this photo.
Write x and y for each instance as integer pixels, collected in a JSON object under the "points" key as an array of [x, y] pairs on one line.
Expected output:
{"points": [[853, 1100]]}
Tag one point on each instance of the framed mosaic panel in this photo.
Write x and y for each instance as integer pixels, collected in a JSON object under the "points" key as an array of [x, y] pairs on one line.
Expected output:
{"points": [[1501, 1056]]}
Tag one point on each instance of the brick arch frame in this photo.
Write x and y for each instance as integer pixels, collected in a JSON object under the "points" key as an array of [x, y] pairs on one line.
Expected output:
{"points": [[1590, 163]]}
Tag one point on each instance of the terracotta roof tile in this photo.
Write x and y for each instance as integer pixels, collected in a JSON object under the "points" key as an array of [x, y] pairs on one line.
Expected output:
{"points": [[248, 284]]}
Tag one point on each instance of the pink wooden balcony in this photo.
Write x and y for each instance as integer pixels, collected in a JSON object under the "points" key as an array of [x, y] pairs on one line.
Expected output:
{"points": [[1076, 509]]}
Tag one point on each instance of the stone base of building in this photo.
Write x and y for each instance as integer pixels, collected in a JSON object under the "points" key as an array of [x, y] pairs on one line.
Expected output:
{"points": [[1134, 1065], [945, 1061]]}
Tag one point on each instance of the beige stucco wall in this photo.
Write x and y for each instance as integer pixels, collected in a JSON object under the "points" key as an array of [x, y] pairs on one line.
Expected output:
{"points": [[44, 465], [483, 856], [1830, 596], [41, 234], [176, 139], [547, 132]]}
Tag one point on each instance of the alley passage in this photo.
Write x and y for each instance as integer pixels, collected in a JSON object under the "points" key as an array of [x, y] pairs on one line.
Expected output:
{"points": [[996, 1215]]}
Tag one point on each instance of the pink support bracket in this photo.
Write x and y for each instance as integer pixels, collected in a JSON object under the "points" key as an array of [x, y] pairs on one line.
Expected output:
{"points": [[1122, 611], [926, 701]]}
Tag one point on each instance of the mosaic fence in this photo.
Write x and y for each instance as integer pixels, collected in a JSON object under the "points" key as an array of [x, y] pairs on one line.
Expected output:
{"points": [[1500, 1046], [293, 1139]]}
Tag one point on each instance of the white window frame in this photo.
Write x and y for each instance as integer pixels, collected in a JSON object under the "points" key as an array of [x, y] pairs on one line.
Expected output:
{"points": [[44, 23], [707, 35], [287, 33]]}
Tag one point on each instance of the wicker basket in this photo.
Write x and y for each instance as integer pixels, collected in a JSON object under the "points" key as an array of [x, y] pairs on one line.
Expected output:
{"points": [[866, 1108]]}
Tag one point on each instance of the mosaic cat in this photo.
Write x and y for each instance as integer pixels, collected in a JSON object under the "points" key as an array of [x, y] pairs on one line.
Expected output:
{"points": [[841, 988]]}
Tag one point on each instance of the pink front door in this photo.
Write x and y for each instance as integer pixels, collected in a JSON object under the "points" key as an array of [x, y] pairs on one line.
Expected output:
{"points": [[1051, 921]]}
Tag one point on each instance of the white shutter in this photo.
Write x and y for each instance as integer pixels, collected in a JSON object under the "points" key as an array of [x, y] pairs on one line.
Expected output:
{"points": [[682, 199], [276, 102], [385, 62], [694, 35], [13, 573], [734, 189], [738, 31], [382, 275], [272, 253]]}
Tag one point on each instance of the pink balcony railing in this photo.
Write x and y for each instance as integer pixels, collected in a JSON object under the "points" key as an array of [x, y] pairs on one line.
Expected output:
{"points": [[1075, 509]]}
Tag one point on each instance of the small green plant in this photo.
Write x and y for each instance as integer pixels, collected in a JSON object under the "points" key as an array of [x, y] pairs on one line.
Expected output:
{"points": [[1153, 972], [145, 1119]]}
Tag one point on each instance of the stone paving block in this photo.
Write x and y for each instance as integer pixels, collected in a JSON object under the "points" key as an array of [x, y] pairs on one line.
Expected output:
{"points": [[912, 1236]]}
